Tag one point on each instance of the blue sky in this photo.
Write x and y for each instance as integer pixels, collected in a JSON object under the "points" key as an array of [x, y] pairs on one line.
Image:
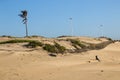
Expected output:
{"points": [[50, 18]]}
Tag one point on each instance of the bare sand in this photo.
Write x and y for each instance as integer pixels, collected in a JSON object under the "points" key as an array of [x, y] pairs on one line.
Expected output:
{"points": [[20, 63]]}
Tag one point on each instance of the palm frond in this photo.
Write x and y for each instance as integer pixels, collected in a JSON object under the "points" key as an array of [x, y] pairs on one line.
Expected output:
{"points": [[24, 21], [21, 15], [24, 13]]}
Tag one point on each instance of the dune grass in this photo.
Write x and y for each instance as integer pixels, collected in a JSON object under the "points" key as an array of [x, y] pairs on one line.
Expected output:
{"points": [[99, 46], [15, 41], [31, 43], [56, 48], [34, 44], [76, 43]]}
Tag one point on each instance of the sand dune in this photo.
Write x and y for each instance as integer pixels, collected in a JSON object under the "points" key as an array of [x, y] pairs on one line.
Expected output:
{"points": [[20, 63]]}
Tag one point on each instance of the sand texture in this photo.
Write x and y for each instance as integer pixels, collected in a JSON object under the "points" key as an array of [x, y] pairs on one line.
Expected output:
{"points": [[21, 63]]}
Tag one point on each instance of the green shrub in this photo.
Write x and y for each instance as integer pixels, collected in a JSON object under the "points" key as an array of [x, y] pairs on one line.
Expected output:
{"points": [[77, 42], [34, 44], [61, 49], [56, 48], [15, 41], [50, 48], [31, 43], [109, 39]]}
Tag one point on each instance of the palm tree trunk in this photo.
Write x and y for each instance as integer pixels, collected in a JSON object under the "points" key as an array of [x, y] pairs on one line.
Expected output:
{"points": [[26, 29]]}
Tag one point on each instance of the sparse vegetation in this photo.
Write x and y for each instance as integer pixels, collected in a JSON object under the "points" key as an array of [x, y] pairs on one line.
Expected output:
{"points": [[15, 41], [76, 43], [99, 46], [106, 38], [50, 48], [34, 44], [31, 43], [56, 48], [60, 49]]}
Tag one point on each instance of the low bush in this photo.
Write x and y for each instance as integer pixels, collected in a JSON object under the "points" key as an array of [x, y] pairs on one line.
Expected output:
{"points": [[15, 41], [56, 48], [31, 43], [50, 48], [76, 42], [61, 49], [34, 44]]}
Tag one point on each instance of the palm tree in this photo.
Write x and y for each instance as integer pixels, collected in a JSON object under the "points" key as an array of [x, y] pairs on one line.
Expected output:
{"points": [[24, 16]]}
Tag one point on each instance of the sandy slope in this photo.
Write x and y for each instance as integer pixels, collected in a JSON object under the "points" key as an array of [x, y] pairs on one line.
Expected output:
{"points": [[19, 63]]}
